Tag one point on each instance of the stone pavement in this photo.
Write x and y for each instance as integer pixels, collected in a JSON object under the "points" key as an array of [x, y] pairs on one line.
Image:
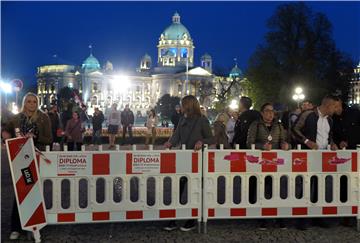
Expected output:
{"points": [[218, 230]]}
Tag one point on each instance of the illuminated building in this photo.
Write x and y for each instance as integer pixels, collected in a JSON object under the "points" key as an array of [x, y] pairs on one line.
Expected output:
{"points": [[354, 94], [174, 73]]}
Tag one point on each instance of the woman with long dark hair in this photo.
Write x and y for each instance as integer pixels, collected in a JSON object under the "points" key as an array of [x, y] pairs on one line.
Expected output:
{"points": [[194, 131]]}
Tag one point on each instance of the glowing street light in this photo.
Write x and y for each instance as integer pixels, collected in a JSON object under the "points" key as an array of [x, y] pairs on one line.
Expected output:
{"points": [[234, 105], [5, 87], [298, 96]]}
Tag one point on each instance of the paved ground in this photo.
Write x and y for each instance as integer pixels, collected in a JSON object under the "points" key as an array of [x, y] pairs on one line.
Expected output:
{"points": [[218, 231]]}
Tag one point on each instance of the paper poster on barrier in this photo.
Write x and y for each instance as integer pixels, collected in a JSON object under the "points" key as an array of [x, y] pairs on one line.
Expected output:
{"points": [[146, 163], [27, 184], [73, 164]]}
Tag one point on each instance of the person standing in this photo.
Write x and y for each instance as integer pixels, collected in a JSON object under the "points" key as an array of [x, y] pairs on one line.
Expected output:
{"points": [[194, 131], [55, 124], [34, 123], [65, 116], [314, 128], [127, 121], [151, 123], [243, 122], [220, 131], [74, 132], [267, 134], [175, 118], [114, 121], [97, 120], [230, 125]]}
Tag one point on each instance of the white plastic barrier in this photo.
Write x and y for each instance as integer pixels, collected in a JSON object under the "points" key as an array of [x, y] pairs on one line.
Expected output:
{"points": [[280, 184], [121, 186]]}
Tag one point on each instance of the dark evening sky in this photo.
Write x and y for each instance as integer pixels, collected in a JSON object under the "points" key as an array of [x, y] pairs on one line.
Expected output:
{"points": [[122, 32]]}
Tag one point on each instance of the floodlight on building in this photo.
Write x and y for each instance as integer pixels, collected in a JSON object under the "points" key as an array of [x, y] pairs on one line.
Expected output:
{"points": [[120, 83]]}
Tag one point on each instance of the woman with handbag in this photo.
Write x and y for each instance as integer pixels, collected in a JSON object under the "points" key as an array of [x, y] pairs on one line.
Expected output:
{"points": [[74, 132], [194, 131]]}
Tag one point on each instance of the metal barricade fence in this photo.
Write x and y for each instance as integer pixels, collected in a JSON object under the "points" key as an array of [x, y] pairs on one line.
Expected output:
{"points": [[122, 185], [247, 184]]}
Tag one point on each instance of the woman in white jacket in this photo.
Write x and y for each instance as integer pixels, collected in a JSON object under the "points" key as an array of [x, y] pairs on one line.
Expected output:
{"points": [[151, 123]]}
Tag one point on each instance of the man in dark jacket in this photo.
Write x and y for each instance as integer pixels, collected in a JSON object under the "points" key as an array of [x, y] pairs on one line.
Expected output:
{"points": [[175, 118], [346, 126], [314, 128], [97, 120], [127, 121], [55, 124], [243, 122]]}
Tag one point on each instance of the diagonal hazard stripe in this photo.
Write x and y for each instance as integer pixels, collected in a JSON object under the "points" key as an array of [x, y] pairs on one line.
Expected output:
{"points": [[22, 160], [38, 217], [30, 203], [22, 188], [15, 146]]}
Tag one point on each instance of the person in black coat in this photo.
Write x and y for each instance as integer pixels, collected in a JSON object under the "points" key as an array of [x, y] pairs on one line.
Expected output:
{"points": [[243, 122], [346, 126], [97, 120], [175, 118]]}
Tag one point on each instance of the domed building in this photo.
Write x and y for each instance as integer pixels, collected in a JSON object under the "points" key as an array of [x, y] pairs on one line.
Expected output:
{"points": [[175, 73]]}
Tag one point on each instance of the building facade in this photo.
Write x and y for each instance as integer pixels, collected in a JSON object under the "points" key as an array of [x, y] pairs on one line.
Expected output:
{"points": [[354, 94], [174, 73]]}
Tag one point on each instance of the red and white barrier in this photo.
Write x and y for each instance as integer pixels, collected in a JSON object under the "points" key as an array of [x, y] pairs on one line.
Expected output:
{"points": [[229, 172], [28, 189], [121, 174]]}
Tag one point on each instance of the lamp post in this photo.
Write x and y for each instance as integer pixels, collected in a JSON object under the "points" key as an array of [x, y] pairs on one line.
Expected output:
{"points": [[298, 95]]}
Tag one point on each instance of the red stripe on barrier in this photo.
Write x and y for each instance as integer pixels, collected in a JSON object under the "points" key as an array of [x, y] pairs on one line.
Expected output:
{"points": [[38, 217], [354, 162], [299, 162], [211, 165], [66, 217], [299, 211], [194, 212], [326, 158], [236, 212], [66, 174], [168, 163], [128, 163], [238, 165], [15, 147], [21, 188], [329, 210], [167, 213], [195, 163], [211, 212], [354, 210], [101, 164], [100, 216], [134, 214], [268, 211], [267, 166]]}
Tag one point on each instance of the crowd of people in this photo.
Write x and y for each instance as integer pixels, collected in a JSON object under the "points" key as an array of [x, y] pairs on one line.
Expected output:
{"points": [[330, 124]]}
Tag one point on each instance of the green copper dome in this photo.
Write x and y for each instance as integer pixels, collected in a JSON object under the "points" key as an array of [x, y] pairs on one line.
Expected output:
{"points": [[176, 30], [236, 72], [91, 63]]}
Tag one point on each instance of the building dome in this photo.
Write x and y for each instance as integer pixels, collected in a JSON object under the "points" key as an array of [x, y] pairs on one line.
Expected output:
{"points": [[91, 63], [176, 31], [206, 56], [235, 72]]}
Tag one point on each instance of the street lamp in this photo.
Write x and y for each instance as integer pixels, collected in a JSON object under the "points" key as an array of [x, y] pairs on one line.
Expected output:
{"points": [[234, 105], [298, 96], [6, 88]]}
